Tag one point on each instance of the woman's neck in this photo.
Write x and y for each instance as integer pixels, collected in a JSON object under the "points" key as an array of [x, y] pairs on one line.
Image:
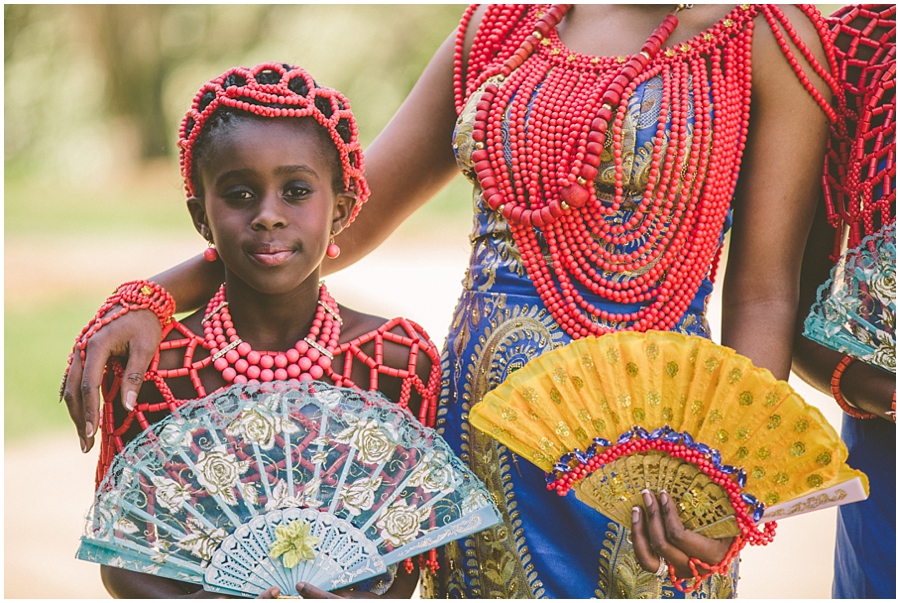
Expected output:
{"points": [[272, 322], [621, 29]]}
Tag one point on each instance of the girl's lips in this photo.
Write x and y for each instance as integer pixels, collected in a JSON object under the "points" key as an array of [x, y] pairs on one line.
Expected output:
{"points": [[272, 258]]}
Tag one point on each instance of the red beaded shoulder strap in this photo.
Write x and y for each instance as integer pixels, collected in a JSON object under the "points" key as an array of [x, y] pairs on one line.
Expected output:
{"points": [[176, 336], [860, 166]]}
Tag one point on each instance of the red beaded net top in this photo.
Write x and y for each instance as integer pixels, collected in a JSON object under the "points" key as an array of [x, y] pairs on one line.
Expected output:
{"points": [[860, 167], [118, 426]]}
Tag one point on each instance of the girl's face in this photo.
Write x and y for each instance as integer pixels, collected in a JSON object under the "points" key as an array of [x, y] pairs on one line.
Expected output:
{"points": [[268, 201]]}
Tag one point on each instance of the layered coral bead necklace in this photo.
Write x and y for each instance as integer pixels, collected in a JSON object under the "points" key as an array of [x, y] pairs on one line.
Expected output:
{"points": [[238, 362], [544, 117]]}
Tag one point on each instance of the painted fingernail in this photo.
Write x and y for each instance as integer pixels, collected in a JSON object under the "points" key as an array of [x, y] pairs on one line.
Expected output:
{"points": [[648, 498], [664, 497], [83, 446], [635, 514], [88, 429], [130, 399]]}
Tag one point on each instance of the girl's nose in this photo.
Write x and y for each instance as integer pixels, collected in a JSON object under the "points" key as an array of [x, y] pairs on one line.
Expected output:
{"points": [[270, 214]]}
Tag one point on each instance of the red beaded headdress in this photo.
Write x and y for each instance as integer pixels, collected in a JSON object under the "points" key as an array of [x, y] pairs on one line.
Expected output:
{"points": [[292, 92]]}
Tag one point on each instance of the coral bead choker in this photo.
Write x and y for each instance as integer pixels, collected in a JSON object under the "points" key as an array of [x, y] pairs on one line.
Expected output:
{"points": [[545, 116], [310, 358]]}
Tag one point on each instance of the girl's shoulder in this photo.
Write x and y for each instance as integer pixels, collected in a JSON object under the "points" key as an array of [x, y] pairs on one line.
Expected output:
{"points": [[393, 356], [392, 339]]}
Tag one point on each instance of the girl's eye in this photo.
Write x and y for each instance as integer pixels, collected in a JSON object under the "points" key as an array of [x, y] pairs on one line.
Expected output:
{"points": [[239, 194], [297, 191]]}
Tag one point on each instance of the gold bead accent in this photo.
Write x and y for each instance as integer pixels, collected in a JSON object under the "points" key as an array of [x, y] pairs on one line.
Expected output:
{"points": [[646, 54], [555, 51], [581, 181], [146, 290], [685, 47], [538, 34], [479, 145], [670, 53], [621, 59], [728, 23], [571, 57], [545, 42], [708, 37], [745, 6], [595, 60], [500, 208], [564, 206]]}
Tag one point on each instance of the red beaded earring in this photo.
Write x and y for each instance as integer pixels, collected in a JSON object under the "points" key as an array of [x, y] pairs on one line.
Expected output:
{"points": [[210, 254], [333, 250]]}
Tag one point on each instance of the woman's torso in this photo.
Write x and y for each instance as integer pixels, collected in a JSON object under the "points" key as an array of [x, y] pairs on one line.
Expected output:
{"points": [[547, 546]]}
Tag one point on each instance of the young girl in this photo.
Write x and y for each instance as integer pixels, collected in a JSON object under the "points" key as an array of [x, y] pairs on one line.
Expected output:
{"points": [[273, 171]]}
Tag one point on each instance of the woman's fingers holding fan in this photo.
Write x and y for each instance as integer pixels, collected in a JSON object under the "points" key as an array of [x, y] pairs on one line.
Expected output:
{"points": [[660, 539], [651, 547], [708, 550]]}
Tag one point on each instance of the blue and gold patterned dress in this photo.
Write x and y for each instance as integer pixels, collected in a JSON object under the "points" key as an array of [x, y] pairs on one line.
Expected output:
{"points": [[546, 546]]}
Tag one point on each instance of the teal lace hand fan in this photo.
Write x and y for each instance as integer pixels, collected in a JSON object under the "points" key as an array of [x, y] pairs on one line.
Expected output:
{"points": [[279, 483], [855, 311]]}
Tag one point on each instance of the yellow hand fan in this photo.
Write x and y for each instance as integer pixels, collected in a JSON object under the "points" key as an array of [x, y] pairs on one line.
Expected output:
{"points": [[614, 415]]}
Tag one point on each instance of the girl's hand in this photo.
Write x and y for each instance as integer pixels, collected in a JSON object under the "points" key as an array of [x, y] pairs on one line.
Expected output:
{"points": [[270, 593], [136, 335], [662, 536], [308, 591]]}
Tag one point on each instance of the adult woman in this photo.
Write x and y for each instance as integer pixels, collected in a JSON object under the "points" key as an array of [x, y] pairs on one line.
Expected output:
{"points": [[512, 308], [862, 196]]}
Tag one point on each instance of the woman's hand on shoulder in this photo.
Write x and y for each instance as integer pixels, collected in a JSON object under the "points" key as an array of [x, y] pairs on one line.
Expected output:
{"points": [[659, 536], [134, 335]]}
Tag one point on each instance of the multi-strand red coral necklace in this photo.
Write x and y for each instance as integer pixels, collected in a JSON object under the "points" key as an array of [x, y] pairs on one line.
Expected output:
{"points": [[546, 115], [238, 362]]}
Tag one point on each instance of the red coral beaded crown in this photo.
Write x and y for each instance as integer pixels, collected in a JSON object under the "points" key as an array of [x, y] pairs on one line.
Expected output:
{"points": [[277, 90]]}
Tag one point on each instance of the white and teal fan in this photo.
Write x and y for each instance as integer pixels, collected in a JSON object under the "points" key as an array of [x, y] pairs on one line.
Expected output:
{"points": [[279, 483], [855, 310]]}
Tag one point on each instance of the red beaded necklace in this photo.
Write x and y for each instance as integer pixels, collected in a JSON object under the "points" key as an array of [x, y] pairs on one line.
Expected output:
{"points": [[545, 115], [310, 357]]}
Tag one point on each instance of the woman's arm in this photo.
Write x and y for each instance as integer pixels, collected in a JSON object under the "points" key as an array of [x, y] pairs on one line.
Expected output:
{"points": [[866, 387], [775, 202], [409, 161], [774, 206]]}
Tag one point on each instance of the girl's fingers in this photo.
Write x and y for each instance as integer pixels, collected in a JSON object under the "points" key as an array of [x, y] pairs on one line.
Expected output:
{"points": [[270, 593], [708, 550], [308, 591]]}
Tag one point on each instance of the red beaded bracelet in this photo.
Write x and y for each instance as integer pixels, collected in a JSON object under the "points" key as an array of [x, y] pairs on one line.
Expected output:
{"points": [[133, 295], [687, 585], [839, 398]]}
